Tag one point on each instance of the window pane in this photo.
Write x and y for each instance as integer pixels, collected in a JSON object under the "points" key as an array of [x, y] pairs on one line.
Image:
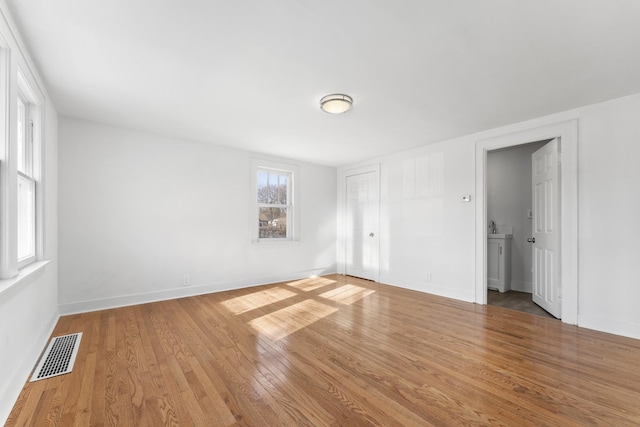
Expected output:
{"points": [[26, 218], [273, 187], [282, 189], [22, 119], [273, 223], [263, 189]]}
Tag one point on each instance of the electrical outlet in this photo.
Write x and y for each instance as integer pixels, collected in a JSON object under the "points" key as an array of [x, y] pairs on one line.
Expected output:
{"points": [[186, 280], [428, 277]]}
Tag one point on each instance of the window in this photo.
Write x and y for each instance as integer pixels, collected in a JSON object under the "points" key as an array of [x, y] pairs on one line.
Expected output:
{"points": [[22, 103], [26, 182], [274, 204], [275, 215]]}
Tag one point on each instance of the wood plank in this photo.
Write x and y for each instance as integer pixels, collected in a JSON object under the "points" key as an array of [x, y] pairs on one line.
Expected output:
{"points": [[334, 351]]}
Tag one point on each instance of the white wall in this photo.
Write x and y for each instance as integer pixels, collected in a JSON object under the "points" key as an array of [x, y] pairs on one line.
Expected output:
{"points": [[436, 233], [609, 227], [508, 200], [139, 211], [29, 308], [424, 227], [28, 302]]}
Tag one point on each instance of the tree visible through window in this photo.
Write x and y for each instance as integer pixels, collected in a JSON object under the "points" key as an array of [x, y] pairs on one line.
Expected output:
{"points": [[274, 204]]}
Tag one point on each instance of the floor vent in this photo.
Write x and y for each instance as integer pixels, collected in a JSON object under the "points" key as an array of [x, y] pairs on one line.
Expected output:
{"points": [[58, 358]]}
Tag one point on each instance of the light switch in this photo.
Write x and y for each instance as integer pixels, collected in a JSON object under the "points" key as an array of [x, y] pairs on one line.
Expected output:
{"points": [[466, 198]]}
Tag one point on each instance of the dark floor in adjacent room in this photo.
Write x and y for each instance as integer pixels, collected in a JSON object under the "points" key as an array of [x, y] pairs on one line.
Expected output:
{"points": [[515, 300]]}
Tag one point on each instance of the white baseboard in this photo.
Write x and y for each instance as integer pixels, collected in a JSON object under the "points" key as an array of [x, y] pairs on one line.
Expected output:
{"points": [[522, 286], [182, 292], [432, 288], [616, 327], [9, 395]]}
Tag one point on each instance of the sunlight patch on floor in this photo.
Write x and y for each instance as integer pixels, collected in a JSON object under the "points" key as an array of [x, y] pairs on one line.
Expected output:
{"points": [[311, 283], [255, 300], [347, 294], [290, 319]]}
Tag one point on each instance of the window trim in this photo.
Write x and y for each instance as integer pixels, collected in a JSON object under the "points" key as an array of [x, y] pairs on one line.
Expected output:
{"points": [[287, 206], [33, 100], [293, 201], [18, 83]]}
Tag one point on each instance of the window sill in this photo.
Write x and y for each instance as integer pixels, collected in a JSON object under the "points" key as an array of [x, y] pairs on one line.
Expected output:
{"points": [[23, 273]]}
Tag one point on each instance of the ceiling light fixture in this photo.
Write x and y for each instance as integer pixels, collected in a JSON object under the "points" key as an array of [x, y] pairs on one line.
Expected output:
{"points": [[336, 103]]}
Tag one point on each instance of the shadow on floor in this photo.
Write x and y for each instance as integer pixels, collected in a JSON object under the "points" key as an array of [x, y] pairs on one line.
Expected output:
{"points": [[515, 300]]}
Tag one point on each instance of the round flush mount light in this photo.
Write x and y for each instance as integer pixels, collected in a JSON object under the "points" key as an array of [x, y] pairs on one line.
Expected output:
{"points": [[336, 103]]}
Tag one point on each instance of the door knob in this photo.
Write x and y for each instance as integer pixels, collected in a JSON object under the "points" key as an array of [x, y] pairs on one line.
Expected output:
{"points": [[371, 234], [531, 240]]}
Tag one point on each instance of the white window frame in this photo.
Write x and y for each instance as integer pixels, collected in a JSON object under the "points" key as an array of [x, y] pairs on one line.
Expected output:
{"points": [[292, 198], [18, 83], [29, 175]]}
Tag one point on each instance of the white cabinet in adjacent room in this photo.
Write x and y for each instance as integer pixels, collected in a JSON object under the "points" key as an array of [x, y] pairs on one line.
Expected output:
{"points": [[499, 262]]}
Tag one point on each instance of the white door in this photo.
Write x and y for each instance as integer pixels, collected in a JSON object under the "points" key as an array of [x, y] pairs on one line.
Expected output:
{"points": [[362, 218], [546, 232]]}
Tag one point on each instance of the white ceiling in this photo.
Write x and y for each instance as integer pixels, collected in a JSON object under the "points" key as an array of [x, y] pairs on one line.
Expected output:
{"points": [[249, 73]]}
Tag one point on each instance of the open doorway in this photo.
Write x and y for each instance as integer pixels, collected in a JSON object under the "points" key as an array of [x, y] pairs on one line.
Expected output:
{"points": [[567, 268], [510, 211]]}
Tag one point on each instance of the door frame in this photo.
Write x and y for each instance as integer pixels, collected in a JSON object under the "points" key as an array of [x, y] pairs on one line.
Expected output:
{"points": [[342, 209], [567, 132]]}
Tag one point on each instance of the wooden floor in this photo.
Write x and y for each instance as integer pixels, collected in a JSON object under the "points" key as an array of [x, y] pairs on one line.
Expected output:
{"points": [[334, 351]]}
